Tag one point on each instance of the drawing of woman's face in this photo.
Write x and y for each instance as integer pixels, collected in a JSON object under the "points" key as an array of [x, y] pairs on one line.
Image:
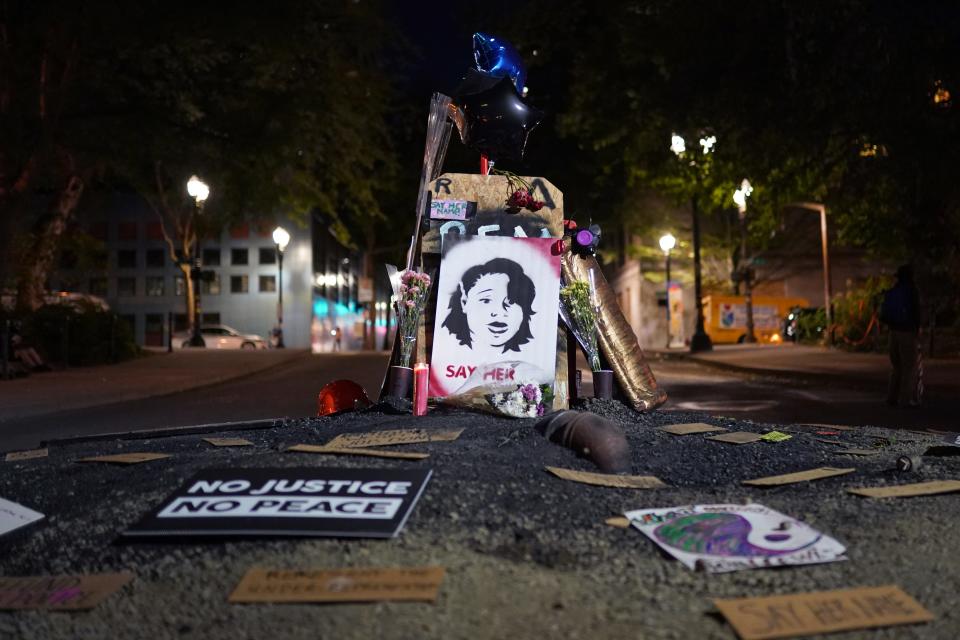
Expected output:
{"points": [[492, 317]]}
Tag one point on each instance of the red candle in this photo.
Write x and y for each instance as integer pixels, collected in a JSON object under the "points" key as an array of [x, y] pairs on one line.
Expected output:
{"points": [[421, 384]]}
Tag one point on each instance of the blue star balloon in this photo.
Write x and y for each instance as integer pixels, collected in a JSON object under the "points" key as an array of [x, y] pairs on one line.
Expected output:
{"points": [[497, 57]]}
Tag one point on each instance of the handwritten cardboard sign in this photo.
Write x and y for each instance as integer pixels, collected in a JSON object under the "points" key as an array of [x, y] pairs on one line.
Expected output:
{"points": [[805, 614], [126, 458], [391, 437], [737, 437], [799, 476], [340, 585], [229, 442], [296, 501], [607, 480], [857, 452], [910, 490], [16, 456], [375, 453], [60, 592], [13, 516], [688, 429]]}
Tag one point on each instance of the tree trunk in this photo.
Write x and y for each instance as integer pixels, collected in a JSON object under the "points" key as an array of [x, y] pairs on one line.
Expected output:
{"points": [[31, 285], [187, 294]]}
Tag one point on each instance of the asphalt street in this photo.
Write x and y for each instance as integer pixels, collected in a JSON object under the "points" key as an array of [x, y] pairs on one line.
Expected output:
{"points": [[291, 391]]}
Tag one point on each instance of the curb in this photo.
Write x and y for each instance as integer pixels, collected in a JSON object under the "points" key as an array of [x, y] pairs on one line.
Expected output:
{"points": [[873, 384], [165, 432]]}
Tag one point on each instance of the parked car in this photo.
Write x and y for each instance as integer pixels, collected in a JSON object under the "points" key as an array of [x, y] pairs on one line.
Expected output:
{"points": [[220, 336]]}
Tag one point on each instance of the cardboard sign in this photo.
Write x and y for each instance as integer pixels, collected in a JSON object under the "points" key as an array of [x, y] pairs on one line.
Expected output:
{"points": [[126, 458], [375, 453], [799, 476], [60, 592], [13, 516], [340, 585], [391, 437], [496, 314], [737, 437], [687, 429], [910, 490], [775, 436], [451, 209], [619, 522], [834, 427], [15, 456], [857, 452], [229, 442], [804, 614], [729, 537], [310, 501], [607, 480]]}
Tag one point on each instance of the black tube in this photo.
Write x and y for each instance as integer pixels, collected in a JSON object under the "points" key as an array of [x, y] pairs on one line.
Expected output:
{"points": [[599, 440]]}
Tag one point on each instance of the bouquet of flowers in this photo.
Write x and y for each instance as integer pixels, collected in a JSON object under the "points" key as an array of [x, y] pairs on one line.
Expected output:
{"points": [[410, 297], [526, 400], [579, 311]]}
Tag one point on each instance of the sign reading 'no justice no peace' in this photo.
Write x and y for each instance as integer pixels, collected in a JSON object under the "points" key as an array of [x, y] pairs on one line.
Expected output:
{"points": [[312, 501]]}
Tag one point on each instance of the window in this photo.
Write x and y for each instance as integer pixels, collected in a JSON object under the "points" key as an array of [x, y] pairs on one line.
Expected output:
{"points": [[153, 330], [179, 286], [126, 287], [210, 318], [211, 287], [239, 284], [127, 231], [127, 259], [211, 257], [98, 286], [268, 284], [154, 285], [154, 231], [268, 255], [156, 258], [238, 256]]}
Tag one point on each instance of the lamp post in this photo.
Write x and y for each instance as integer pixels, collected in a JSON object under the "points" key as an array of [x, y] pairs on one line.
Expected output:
{"points": [[740, 198], [199, 191], [667, 243], [822, 209], [281, 238], [700, 340]]}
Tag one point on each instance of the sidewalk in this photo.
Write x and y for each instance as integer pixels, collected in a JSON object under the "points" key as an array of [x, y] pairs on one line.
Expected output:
{"points": [[819, 364], [152, 375]]}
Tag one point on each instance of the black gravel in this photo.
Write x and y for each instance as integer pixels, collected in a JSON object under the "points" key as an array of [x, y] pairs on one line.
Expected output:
{"points": [[528, 555]]}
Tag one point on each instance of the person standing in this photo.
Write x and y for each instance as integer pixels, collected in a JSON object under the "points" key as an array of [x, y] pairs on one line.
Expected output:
{"points": [[901, 312]]}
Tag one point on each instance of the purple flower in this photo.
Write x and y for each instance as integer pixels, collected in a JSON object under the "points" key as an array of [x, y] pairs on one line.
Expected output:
{"points": [[529, 392], [410, 304], [540, 410]]}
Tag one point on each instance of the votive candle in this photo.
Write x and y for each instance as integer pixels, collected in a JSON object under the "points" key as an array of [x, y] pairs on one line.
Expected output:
{"points": [[421, 388]]}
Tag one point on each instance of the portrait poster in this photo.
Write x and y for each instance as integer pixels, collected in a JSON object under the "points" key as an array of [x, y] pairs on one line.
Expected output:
{"points": [[728, 537], [496, 316]]}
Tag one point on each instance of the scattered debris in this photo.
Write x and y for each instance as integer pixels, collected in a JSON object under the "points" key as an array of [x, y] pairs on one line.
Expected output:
{"points": [[737, 437], [607, 480], [412, 584], [126, 458], [688, 429], [909, 490], [799, 476]]}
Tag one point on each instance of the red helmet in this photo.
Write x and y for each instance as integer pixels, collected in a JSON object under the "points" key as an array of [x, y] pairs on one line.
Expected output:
{"points": [[340, 396]]}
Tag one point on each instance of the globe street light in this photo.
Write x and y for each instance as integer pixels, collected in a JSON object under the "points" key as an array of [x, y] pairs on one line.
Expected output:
{"points": [[700, 340], [740, 199], [281, 238], [199, 191], [667, 243]]}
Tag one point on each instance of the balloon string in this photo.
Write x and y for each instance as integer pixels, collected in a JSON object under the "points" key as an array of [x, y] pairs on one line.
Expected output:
{"points": [[484, 165]]}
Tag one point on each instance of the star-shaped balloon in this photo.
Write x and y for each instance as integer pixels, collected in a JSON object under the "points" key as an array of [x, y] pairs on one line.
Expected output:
{"points": [[492, 117], [497, 57]]}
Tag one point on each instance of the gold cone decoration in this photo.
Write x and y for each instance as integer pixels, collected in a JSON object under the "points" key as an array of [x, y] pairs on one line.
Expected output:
{"points": [[617, 341]]}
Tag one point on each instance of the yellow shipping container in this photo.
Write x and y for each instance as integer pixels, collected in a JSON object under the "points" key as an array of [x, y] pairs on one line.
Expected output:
{"points": [[725, 317]]}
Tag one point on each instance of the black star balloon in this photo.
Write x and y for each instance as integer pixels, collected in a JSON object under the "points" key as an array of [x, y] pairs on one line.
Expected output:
{"points": [[492, 117]]}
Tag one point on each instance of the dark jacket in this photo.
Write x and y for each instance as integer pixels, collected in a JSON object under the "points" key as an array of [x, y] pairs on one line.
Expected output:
{"points": [[901, 307]]}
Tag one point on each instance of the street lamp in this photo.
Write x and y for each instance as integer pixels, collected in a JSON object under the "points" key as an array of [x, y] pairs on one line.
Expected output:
{"points": [[816, 206], [667, 243], [700, 340], [199, 191], [740, 199], [281, 238]]}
